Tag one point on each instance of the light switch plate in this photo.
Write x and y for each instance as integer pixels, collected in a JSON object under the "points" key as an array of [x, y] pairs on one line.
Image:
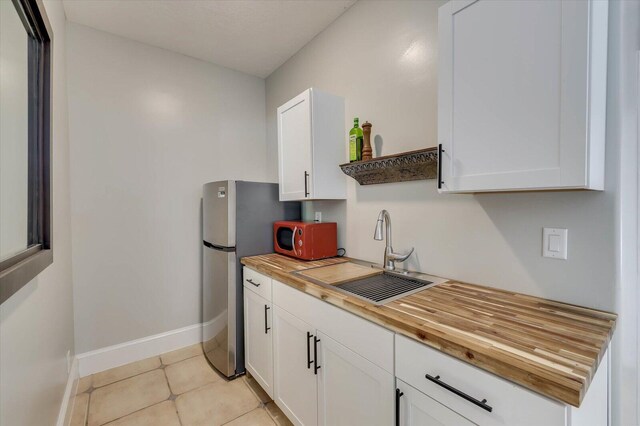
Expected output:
{"points": [[554, 243]]}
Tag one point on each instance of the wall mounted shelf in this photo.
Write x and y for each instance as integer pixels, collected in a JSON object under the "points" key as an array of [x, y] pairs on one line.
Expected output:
{"points": [[402, 167]]}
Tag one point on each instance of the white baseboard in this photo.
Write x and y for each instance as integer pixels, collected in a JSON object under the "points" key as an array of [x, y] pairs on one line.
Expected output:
{"points": [[136, 350], [66, 407]]}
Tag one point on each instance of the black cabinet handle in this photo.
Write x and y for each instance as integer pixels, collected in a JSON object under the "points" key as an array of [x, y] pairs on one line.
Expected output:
{"points": [[482, 404], [306, 189], [309, 362], [250, 281], [399, 393], [316, 367], [440, 151], [266, 328]]}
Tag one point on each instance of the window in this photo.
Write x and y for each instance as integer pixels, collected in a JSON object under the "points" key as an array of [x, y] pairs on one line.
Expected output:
{"points": [[25, 125]]}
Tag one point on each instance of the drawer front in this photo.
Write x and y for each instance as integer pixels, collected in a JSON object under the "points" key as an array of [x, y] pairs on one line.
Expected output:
{"points": [[417, 409], [257, 282], [511, 404], [367, 339]]}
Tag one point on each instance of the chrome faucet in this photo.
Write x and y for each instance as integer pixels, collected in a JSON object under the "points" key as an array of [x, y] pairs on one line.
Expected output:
{"points": [[389, 256]]}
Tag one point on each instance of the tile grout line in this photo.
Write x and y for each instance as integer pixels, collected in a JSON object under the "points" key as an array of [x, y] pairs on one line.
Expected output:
{"points": [[134, 412], [162, 366], [243, 414], [252, 393], [86, 414], [144, 408], [262, 404], [172, 396], [92, 389], [180, 360]]}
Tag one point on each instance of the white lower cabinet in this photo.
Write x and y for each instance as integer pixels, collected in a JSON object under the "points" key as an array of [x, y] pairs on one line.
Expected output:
{"points": [[325, 366], [479, 397], [416, 408], [324, 375], [296, 391], [258, 339], [351, 389]]}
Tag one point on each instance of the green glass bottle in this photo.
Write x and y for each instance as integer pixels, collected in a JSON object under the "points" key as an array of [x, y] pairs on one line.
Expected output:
{"points": [[355, 141]]}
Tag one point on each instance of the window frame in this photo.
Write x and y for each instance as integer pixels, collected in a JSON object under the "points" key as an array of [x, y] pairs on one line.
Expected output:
{"points": [[17, 270]]}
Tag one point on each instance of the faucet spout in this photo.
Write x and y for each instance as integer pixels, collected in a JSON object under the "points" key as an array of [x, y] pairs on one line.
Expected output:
{"points": [[389, 256], [383, 217]]}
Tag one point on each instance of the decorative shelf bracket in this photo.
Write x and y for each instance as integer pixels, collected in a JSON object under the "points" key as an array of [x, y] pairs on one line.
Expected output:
{"points": [[402, 167]]}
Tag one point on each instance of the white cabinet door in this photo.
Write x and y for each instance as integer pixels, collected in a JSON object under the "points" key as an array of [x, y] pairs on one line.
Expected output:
{"points": [[295, 381], [417, 409], [259, 339], [351, 389], [294, 148], [522, 95], [311, 145]]}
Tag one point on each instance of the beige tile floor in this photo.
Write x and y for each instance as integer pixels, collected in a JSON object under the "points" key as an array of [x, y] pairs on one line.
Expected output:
{"points": [[176, 388]]}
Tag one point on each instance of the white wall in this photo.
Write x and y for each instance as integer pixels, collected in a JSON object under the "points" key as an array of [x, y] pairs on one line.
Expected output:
{"points": [[382, 57], [36, 323], [148, 127]]}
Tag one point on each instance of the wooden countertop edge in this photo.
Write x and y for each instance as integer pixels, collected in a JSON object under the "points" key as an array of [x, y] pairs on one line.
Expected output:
{"points": [[548, 383]]}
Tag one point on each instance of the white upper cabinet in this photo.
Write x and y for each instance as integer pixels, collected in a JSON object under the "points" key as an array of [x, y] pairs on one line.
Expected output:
{"points": [[522, 95], [311, 145]]}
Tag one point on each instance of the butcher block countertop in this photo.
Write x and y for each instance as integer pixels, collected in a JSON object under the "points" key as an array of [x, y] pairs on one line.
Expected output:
{"points": [[549, 347]]}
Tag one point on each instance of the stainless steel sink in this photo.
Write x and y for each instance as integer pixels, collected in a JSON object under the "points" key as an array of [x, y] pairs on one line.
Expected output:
{"points": [[384, 287]]}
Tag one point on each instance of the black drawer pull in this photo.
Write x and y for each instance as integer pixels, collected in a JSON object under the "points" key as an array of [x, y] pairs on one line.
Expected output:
{"points": [[316, 367], [440, 151], [250, 281], [306, 190], [482, 404], [399, 393], [309, 362], [266, 328]]}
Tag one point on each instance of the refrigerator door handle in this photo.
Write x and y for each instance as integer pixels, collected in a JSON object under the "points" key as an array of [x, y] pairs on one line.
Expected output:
{"points": [[217, 247]]}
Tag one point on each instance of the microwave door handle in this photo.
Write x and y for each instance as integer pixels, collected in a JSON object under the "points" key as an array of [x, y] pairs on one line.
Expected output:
{"points": [[293, 239]]}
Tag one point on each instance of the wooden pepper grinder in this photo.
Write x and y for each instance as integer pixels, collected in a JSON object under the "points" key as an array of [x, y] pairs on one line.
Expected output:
{"points": [[367, 152]]}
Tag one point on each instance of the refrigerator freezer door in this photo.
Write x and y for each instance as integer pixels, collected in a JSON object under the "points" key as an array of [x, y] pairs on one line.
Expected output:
{"points": [[219, 309], [219, 213]]}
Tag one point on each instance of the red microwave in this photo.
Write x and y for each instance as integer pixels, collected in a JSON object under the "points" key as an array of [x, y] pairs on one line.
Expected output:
{"points": [[306, 240]]}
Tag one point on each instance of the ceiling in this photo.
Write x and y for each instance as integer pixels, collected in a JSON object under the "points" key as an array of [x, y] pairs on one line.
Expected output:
{"points": [[252, 36]]}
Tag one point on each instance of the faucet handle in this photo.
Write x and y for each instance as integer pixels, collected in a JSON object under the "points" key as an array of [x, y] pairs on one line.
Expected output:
{"points": [[401, 257]]}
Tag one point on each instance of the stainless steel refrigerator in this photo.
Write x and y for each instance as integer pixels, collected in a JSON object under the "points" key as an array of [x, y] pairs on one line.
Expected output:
{"points": [[237, 222]]}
